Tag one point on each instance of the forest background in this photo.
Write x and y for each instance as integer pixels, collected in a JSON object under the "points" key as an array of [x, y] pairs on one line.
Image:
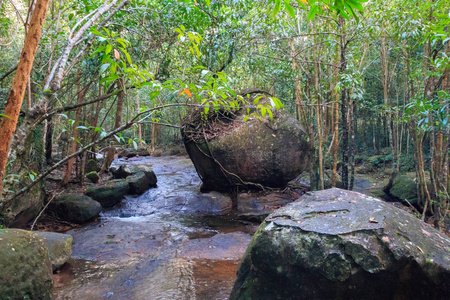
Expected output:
{"points": [[368, 80]]}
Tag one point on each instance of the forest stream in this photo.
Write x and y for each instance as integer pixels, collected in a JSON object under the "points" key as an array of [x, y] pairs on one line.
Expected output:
{"points": [[157, 245]]}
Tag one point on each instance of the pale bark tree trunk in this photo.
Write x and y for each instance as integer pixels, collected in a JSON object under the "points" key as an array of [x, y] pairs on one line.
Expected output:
{"points": [[17, 92]]}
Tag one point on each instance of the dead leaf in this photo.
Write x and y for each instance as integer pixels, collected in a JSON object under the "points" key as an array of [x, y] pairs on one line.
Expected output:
{"points": [[372, 220], [116, 54], [187, 92]]}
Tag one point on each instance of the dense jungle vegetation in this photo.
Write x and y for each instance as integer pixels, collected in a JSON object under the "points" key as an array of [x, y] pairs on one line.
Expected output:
{"points": [[369, 81]]}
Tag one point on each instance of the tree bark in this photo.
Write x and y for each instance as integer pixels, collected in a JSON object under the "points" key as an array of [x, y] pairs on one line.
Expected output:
{"points": [[17, 92], [80, 99], [111, 151]]}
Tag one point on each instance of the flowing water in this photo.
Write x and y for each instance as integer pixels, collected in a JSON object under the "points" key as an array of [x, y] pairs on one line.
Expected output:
{"points": [[171, 242]]}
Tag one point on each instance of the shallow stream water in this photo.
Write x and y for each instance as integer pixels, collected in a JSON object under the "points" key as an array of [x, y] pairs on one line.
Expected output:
{"points": [[169, 243]]}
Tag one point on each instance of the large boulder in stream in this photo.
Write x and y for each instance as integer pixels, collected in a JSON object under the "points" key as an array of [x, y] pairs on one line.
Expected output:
{"points": [[26, 271], [227, 152], [75, 208], [336, 244]]}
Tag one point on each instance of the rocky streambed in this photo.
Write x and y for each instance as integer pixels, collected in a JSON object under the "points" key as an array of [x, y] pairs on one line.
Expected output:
{"points": [[172, 242]]}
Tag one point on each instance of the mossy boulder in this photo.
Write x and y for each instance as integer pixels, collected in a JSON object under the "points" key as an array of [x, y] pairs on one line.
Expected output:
{"points": [[59, 247], [93, 177], [337, 244], [75, 208], [92, 165], [109, 194], [23, 208], [26, 270], [252, 153], [404, 187]]}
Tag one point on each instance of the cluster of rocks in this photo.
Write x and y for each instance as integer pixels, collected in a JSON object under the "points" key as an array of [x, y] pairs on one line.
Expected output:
{"points": [[27, 260], [78, 208]]}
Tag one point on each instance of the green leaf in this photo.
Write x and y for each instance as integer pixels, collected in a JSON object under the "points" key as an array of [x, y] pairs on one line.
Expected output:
{"points": [[103, 68], [277, 8], [245, 118], [97, 129], [2, 115], [108, 49], [289, 8], [270, 114]]}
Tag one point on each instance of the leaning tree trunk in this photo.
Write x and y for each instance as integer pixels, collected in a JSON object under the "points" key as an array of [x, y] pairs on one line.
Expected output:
{"points": [[17, 92]]}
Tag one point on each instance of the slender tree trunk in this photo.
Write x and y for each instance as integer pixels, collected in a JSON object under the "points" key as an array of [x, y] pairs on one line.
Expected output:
{"points": [[120, 101], [17, 92], [139, 125], [344, 106], [73, 147]]}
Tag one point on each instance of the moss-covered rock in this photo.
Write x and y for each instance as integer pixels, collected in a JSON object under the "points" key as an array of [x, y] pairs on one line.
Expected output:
{"points": [[26, 270], [268, 152], [109, 194], [23, 208], [404, 187], [337, 244], [59, 247], [93, 177], [92, 165], [75, 208]]}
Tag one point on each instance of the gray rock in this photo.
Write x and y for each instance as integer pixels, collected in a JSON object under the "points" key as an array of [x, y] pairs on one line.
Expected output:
{"points": [[138, 182], [337, 244], [93, 177], [131, 152], [268, 152], [26, 270], [75, 208], [59, 247], [125, 171], [109, 194]]}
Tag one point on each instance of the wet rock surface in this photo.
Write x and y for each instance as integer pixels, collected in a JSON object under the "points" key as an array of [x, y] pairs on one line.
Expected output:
{"points": [[336, 244], [75, 208], [25, 270], [171, 242], [59, 247]]}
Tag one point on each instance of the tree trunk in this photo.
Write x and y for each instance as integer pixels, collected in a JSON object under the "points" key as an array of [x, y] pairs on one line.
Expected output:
{"points": [[80, 98], [344, 107], [17, 92], [111, 151]]}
